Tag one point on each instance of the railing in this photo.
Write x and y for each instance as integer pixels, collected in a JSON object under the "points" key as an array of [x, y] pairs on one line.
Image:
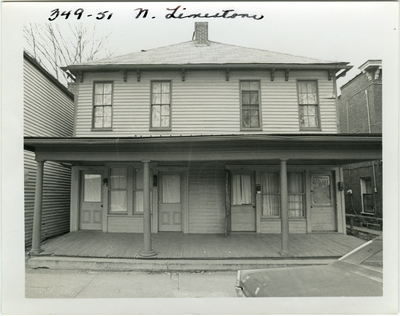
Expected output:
{"points": [[369, 222]]}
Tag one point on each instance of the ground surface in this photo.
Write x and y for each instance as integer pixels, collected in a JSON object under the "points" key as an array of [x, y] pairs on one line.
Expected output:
{"points": [[86, 284]]}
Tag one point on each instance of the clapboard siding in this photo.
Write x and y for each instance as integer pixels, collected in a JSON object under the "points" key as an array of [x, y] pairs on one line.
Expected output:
{"points": [[207, 198], [124, 224], [48, 112], [274, 226], [205, 103]]}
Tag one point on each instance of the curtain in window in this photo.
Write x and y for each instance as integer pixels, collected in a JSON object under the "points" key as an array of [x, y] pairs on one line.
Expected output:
{"points": [[118, 187], [241, 189], [296, 196], [271, 197], [171, 188]]}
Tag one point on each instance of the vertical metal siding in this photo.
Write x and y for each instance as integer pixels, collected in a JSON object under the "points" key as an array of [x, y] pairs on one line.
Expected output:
{"points": [[205, 103], [207, 198], [48, 111]]}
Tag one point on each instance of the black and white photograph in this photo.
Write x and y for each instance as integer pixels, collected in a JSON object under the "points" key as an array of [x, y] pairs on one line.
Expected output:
{"points": [[200, 158]]}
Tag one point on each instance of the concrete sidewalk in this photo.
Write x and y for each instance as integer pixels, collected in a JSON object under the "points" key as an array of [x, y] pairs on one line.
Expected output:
{"points": [[44, 283]]}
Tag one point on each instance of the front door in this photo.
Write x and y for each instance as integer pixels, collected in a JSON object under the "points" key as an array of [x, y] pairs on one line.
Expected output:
{"points": [[243, 210], [170, 202], [323, 206], [91, 206]]}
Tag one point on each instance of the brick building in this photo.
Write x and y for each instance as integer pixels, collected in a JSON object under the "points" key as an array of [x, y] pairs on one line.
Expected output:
{"points": [[360, 111]]}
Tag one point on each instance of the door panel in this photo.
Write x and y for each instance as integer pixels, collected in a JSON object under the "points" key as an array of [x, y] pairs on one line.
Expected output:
{"points": [[323, 206], [91, 206], [170, 203], [243, 211]]}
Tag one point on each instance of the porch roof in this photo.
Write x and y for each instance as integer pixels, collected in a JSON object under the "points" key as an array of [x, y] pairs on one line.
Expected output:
{"points": [[308, 148]]}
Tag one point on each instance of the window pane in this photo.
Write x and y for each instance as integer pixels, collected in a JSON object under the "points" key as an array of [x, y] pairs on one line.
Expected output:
{"points": [[245, 85], [98, 88], [245, 98], [107, 99], [92, 188], [241, 189], [171, 188], [254, 119], [139, 179], [165, 87], [320, 188], [155, 120], [271, 205], [270, 182], [246, 120], [156, 87], [254, 97], [139, 202], [368, 203], [156, 98], [118, 201], [295, 182], [165, 110], [165, 121], [165, 98], [296, 208], [107, 88], [98, 99], [98, 121], [118, 178], [98, 111], [254, 85]]}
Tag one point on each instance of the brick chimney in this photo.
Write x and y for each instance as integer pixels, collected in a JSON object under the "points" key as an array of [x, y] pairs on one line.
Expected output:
{"points": [[201, 33]]}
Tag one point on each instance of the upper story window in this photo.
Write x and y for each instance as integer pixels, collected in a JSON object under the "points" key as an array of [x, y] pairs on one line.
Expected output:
{"points": [[250, 105], [308, 105], [102, 105], [160, 105]]}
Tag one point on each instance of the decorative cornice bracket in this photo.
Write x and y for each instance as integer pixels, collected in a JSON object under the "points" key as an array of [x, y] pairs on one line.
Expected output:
{"points": [[287, 74], [330, 74], [80, 76], [125, 73], [183, 74], [227, 74], [272, 74], [138, 75]]}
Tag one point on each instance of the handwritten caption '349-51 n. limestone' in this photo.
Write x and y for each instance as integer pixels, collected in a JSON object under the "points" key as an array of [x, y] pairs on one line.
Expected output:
{"points": [[177, 13]]}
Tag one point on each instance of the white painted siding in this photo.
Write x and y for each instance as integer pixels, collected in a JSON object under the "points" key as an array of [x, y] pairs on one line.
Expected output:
{"points": [[205, 103], [273, 226], [48, 112]]}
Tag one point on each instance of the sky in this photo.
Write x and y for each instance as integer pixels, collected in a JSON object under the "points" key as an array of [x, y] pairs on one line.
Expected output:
{"points": [[346, 32]]}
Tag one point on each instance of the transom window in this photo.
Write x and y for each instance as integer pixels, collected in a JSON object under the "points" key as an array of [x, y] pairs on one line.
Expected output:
{"points": [[161, 105], [308, 105], [102, 105], [271, 197], [250, 104]]}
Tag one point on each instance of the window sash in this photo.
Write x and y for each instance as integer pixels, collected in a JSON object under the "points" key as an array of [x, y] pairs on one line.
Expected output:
{"points": [[102, 105], [271, 194], [250, 104], [161, 104], [307, 92]]}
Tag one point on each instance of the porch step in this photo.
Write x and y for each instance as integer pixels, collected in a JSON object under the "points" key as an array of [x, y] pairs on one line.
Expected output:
{"points": [[113, 264]]}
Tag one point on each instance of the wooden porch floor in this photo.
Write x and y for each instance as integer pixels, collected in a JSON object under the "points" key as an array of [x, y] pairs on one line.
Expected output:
{"points": [[199, 246]]}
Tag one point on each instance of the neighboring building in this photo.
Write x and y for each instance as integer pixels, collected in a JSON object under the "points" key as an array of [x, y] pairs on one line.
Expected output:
{"points": [[205, 137], [360, 106], [48, 112]]}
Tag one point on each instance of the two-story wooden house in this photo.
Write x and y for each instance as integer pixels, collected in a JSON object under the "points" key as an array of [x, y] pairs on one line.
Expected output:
{"points": [[205, 137]]}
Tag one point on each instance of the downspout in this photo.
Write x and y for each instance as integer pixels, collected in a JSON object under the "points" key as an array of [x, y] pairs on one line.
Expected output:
{"points": [[369, 130]]}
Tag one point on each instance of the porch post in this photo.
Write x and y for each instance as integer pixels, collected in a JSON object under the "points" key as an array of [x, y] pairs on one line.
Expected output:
{"points": [[147, 251], [284, 209], [37, 211]]}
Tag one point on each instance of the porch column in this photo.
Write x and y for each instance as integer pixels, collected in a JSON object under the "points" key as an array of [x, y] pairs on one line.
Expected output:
{"points": [[147, 251], [37, 211], [284, 209]]}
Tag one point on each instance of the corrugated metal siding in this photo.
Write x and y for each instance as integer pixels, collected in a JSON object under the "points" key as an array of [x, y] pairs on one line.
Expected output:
{"points": [[207, 198], [205, 103], [47, 112]]}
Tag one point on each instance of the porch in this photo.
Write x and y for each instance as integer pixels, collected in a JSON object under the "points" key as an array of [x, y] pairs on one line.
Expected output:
{"points": [[89, 244]]}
